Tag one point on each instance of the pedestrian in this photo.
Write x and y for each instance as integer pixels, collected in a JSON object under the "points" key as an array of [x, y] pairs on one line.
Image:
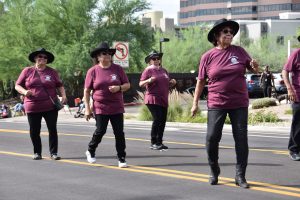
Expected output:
{"points": [[157, 82], [107, 81], [224, 66], [38, 83], [267, 81], [292, 67]]}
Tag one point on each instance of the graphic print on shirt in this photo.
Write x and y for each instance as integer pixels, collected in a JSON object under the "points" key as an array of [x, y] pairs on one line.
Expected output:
{"points": [[113, 77], [234, 60], [47, 78]]}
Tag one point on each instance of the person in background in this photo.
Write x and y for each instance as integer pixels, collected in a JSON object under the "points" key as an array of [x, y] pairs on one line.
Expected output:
{"points": [[224, 66], [19, 107], [267, 81], [292, 67], [38, 83], [107, 81], [156, 80]]}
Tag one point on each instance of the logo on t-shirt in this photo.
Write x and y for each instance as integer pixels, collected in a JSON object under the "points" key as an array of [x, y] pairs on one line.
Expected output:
{"points": [[113, 77], [234, 60], [47, 78]]}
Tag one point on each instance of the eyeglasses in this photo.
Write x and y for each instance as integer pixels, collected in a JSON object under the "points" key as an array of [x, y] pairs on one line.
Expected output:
{"points": [[155, 58], [41, 56], [225, 31]]}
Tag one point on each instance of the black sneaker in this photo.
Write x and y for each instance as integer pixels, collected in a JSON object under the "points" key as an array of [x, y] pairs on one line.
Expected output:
{"points": [[160, 147], [37, 156], [55, 157], [151, 146], [294, 156]]}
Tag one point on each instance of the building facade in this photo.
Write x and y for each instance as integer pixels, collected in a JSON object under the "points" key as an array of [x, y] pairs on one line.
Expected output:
{"points": [[193, 12]]}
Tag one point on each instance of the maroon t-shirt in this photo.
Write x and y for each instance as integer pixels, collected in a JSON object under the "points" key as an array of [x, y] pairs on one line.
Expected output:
{"points": [[293, 65], [158, 90], [225, 70], [99, 79], [39, 101]]}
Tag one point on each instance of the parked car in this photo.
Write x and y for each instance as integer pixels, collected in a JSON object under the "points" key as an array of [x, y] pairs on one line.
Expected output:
{"points": [[253, 85], [279, 83]]}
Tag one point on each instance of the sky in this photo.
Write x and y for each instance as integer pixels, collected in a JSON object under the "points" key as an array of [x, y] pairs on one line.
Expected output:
{"points": [[169, 7]]}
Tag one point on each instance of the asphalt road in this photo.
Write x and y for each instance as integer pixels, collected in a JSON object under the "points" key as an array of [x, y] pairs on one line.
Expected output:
{"points": [[179, 173]]}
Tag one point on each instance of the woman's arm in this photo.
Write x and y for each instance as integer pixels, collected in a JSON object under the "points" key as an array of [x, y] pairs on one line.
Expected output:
{"points": [[63, 94], [146, 82], [23, 91], [198, 91], [86, 99]]}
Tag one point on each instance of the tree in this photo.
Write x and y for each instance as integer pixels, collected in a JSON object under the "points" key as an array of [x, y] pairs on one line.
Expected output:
{"points": [[117, 21]]}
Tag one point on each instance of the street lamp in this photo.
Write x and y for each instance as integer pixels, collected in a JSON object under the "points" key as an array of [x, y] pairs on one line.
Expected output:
{"points": [[161, 40]]}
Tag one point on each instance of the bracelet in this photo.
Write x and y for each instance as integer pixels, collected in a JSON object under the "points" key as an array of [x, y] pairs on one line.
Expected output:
{"points": [[120, 88]]}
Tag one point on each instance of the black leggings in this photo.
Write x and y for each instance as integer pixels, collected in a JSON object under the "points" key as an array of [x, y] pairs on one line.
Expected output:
{"points": [[159, 114], [35, 120], [117, 123]]}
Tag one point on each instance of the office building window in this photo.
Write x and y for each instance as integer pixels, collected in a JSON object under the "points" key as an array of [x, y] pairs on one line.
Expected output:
{"points": [[274, 7], [296, 7]]}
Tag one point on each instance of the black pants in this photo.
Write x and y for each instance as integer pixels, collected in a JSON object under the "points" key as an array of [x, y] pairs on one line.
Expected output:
{"points": [[35, 120], [117, 123], [239, 122], [159, 114], [294, 142], [267, 91]]}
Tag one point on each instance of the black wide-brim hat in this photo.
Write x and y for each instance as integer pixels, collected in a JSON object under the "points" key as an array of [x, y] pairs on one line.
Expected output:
{"points": [[219, 25], [298, 38], [50, 56], [153, 54], [103, 47]]}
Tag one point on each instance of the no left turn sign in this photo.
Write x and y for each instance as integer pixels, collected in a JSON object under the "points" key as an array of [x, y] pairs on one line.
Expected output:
{"points": [[122, 53]]}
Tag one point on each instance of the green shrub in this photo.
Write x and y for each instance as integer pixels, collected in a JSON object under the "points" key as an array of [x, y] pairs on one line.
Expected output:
{"points": [[144, 114], [289, 112], [174, 112], [262, 117], [264, 102]]}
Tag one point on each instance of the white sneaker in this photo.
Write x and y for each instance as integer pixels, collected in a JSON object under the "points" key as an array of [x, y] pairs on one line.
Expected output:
{"points": [[122, 163], [89, 158]]}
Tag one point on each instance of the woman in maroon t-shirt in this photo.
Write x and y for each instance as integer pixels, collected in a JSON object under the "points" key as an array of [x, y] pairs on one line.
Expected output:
{"points": [[38, 84], [224, 66], [157, 82], [107, 82]]}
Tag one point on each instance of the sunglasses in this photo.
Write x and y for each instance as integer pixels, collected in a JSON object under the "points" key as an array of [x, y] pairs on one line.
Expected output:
{"points": [[41, 56], [155, 58], [226, 31], [105, 53]]}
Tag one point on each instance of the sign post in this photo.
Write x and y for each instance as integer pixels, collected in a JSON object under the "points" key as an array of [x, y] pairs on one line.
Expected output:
{"points": [[122, 54]]}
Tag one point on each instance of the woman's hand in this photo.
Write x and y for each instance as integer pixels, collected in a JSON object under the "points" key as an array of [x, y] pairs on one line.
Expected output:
{"points": [[194, 110], [291, 94], [28, 93], [64, 100], [114, 88], [87, 114], [254, 65], [172, 82]]}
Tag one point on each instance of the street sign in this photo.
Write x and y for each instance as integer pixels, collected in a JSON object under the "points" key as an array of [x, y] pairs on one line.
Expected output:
{"points": [[122, 53]]}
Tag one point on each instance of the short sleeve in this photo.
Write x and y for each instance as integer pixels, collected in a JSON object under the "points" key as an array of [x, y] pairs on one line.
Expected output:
{"points": [[247, 58], [123, 76], [202, 75], [292, 60], [22, 78], [145, 75], [58, 81], [89, 79]]}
